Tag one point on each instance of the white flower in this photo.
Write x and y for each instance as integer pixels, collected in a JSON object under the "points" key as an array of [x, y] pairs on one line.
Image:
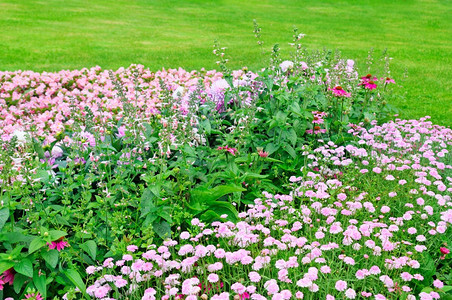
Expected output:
{"points": [[57, 151], [285, 65], [178, 92], [21, 136]]}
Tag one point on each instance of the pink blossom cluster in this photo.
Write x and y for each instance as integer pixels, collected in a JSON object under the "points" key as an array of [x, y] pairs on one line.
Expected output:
{"points": [[43, 102], [332, 237]]}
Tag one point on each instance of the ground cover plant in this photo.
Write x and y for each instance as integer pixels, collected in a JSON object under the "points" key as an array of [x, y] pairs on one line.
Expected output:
{"points": [[53, 35], [140, 184]]}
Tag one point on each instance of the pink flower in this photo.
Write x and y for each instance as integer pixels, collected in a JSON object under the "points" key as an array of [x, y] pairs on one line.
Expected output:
{"points": [[385, 209], [341, 196], [121, 131], [338, 91], [233, 151], [444, 250], [34, 296], [350, 294], [438, 284], [184, 235], [254, 276], [132, 248], [213, 277], [58, 244], [341, 285], [368, 82], [238, 288], [262, 153], [7, 277], [388, 80], [120, 282], [316, 130]]}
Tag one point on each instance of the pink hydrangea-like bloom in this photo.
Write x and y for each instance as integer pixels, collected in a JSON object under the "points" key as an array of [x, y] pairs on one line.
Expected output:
{"points": [[213, 277], [385, 209], [438, 284], [341, 196], [132, 248], [184, 235], [341, 285], [238, 288], [254, 276], [350, 294]]}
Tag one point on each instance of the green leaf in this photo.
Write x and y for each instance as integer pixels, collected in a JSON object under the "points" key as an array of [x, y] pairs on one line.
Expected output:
{"points": [[163, 229], [446, 288], [51, 257], [223, 207], [204, 195], [210, 216], [38, 148], [5, 265], [24, 267], [43, 175], [18, 283], [90, 247], [40, 283], [165, 215], [56, 234], [271, 148], [150, 218], [4, 215], [292, 136], [427, 289], [147, 202], [206, 125], [61, 220], [289, 149], [36, 244], [75, 278], [254, 175]]}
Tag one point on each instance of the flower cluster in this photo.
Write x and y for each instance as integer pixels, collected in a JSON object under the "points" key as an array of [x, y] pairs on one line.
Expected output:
{"points": [[317, 120], [330, 238]]}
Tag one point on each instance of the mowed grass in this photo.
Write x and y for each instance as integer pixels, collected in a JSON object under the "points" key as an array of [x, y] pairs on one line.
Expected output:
{"points": [[52, 35]]}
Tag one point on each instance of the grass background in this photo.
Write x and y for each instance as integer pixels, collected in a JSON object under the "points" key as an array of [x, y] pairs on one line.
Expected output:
{"points": [[52, 35]]}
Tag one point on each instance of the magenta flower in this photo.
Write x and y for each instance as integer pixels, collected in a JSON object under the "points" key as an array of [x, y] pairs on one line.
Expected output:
{"points": [[338, 91], [369, 82], [388, 80], [34, 296], [58, 244], [7, 277], [316, 130], [444, 250], [262, 153], [233, 151], [121, 131]]}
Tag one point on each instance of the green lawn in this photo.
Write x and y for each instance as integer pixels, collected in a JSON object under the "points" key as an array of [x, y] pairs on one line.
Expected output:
{"points": [[69, 34]]}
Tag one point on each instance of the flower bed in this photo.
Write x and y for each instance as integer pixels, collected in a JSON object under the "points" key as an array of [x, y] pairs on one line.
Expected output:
{"points": [[378, 230], [285, 183]]}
